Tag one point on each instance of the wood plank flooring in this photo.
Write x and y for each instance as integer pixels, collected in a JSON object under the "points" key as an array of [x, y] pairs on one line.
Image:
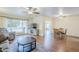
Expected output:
{"points": [[61, 45]]}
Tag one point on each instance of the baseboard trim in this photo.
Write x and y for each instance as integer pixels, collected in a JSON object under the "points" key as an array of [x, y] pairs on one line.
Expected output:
{"points": [[73, 36]]}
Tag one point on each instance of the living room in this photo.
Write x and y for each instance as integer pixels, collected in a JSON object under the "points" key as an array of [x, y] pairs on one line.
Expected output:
{"points": [[54, 29]]}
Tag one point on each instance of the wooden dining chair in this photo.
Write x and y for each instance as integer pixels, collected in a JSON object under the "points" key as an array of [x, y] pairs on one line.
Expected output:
{"points": [[60, 33], [63, 33]]}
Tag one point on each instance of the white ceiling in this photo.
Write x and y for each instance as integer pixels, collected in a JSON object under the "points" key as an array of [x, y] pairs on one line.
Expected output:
{"points": [[45, 11]]}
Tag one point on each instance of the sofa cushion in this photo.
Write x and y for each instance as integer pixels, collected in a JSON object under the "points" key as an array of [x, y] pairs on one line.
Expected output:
{"points": [[2, 37], [3, 34]]}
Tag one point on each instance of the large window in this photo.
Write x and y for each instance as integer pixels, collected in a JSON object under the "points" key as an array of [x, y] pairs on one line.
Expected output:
{"points": [[16, 25]]}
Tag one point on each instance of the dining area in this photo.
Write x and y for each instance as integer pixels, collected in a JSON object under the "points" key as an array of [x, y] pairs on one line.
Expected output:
{"points": [[60, 33]]}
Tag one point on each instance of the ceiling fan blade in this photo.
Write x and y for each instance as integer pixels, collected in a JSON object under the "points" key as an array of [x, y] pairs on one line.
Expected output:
{"points": [[36, 12]]}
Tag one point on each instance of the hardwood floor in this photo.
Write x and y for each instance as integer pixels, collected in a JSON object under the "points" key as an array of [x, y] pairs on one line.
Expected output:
{"points": [[69, 44], [72, 44], [61, 45]]}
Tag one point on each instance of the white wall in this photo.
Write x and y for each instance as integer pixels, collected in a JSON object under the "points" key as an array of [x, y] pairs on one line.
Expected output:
{"points": [[2, 22], [71, 23]]}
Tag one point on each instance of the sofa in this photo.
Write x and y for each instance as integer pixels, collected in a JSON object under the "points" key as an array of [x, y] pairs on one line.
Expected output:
{"points": [[5, 37], [3, 34]]}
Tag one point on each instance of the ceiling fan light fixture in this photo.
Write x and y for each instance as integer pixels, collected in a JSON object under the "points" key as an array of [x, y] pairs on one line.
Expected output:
{"points": [[29, 12], [33, 10]]}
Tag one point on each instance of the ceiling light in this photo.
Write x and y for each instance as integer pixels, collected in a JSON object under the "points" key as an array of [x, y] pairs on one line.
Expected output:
{"points": [[32, 10], [60, 11]]}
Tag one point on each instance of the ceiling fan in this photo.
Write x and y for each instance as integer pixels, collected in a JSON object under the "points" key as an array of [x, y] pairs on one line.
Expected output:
{"points": [[32, 10], [60, 14]]}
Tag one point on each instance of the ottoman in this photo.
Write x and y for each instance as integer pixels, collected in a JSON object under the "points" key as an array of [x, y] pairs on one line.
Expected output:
{"points": [[26, 43]]}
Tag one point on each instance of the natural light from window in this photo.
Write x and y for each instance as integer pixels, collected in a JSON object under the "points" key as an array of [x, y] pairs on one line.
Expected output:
{"points": [[14, 25]]}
